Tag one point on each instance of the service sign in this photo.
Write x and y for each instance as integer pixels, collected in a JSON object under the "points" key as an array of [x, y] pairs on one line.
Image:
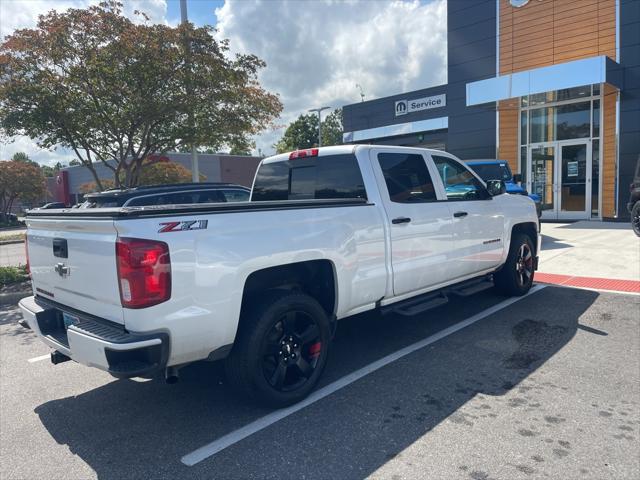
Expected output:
{"points": [[408, 106]]}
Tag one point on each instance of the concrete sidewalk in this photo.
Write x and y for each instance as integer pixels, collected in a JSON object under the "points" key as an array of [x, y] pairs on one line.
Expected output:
{"points": [[590, 249]]}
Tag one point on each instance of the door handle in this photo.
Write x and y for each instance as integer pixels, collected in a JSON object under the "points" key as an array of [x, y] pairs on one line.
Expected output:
{"points": [[460, 214], [398, 220]]}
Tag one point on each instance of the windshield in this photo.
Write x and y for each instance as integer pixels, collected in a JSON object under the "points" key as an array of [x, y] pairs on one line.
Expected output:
{"points": [[493, 171]]}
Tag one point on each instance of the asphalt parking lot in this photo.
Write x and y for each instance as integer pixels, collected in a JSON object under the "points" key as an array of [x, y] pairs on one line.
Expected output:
{"points": [[547, 387]]}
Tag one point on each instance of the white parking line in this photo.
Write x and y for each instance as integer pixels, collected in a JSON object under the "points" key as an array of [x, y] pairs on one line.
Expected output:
{"points": [[40, 358], [231, 438]]}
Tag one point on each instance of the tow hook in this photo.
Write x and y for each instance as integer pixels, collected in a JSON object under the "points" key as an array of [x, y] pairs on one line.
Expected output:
{"points": [[57, 357]]}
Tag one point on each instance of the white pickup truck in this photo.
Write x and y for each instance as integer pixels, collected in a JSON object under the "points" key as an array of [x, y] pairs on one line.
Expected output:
{"points": [[328, 233]]}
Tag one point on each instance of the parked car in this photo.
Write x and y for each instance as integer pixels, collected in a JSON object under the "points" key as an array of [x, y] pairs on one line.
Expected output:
{"points": [[499, 170], [634, 200], [174, 194], [50, 205], [328, 233]]}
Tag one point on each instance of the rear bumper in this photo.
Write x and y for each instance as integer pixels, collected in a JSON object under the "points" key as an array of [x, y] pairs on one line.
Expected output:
{"points": [[95, 342]]}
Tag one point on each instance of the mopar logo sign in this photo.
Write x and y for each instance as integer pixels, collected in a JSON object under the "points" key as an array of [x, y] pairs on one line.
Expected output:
{"points": [[407, 106], [401, 107], [518, 3]]}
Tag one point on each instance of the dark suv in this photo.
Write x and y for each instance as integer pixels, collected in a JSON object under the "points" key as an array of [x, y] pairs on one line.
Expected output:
{"points": [[634, 200], [175, 194]]}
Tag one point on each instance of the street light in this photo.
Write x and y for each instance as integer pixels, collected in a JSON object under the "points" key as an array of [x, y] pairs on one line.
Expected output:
{"points": [[319, 110], [195, 168]]}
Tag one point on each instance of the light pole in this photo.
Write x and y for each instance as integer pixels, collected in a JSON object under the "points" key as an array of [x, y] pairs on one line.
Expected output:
{"points": [[319, 110], [195, 168]]}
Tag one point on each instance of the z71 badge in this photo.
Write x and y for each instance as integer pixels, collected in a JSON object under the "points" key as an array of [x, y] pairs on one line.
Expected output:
{"points": [[183, 226]]}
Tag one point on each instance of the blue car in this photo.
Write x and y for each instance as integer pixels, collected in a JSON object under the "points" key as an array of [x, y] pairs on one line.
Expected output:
{"points": [[499, 170]]}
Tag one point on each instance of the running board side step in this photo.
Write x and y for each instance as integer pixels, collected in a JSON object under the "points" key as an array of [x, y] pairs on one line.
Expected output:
{"points": [[427, 301], [417, 305], [469, 288]]}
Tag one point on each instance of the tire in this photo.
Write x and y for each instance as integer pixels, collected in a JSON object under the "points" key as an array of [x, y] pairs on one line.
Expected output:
{"points": [[635, 218], [515, 278], [280, 350]]}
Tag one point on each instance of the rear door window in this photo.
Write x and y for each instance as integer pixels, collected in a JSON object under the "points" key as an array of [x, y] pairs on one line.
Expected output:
{"points": [[407, 177], [326, 177]]}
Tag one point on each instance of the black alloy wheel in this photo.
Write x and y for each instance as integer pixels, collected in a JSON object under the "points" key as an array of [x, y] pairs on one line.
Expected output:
{"points": [[524, 265], [635, 218], [516, 275], [281, 348], [291, 350]]}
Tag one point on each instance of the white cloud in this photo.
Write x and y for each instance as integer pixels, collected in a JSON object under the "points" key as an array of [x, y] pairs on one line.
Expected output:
{"points": [[37, 154], [316, 52]]}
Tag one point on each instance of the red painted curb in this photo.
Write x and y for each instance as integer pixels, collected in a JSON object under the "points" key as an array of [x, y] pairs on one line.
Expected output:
{"points": [[613, 284]]}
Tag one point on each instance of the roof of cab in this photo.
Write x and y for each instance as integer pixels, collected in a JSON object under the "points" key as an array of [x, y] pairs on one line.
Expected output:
{"points": [[344, 149]]}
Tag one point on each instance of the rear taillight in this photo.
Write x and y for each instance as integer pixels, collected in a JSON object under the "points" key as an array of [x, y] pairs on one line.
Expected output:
{"points": [[309, 152], [144, 272], [26, 252]]}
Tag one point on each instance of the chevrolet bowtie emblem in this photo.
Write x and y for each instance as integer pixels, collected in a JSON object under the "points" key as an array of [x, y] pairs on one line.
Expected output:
{"points": [[62, 270]]}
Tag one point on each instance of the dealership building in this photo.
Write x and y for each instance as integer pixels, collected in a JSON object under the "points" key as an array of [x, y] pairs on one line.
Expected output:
{"points": [[551, 86]]}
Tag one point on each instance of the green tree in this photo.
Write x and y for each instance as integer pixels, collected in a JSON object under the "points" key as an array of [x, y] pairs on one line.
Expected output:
{"points": [[111, 89], [303, 132], [332, 128], [19, 180], [21, 157], [48, 171]]}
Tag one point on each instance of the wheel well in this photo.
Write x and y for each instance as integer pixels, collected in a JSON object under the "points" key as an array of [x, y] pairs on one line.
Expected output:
{"points": [[530, 229], [315, 278]]}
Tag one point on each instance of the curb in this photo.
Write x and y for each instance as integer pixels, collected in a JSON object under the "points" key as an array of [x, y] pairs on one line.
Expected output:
{"points": [[14, 297], [10, 242]]}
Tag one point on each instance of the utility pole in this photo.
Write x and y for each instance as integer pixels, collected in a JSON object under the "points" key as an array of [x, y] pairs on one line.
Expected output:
{"points": [[319, 110], [195, 168]]}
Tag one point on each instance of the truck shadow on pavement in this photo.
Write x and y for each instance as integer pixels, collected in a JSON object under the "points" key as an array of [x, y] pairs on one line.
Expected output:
{"points": [[128, 429]]}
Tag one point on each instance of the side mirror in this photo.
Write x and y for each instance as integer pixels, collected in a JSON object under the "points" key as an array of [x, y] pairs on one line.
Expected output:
{"points": [[496, 187], [517, 178]]}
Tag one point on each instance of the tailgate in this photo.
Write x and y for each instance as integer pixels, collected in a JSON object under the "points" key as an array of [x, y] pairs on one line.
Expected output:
{"points": [[73, 262]]}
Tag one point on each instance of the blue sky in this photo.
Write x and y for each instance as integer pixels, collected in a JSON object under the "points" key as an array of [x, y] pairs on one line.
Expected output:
{"points": [[201, 12]]}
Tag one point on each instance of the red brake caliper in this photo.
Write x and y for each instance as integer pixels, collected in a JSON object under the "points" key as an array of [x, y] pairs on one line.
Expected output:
{"points": [[314, 349]]}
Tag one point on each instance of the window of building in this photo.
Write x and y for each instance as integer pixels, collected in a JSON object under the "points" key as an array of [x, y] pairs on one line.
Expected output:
{"points": [[326, 177], [573, 120], [459, 182], [407, 177]]}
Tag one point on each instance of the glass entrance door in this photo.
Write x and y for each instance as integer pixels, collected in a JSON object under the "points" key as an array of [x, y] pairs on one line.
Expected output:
{"points": [[574, 175], [561, 176], [542, 178]]}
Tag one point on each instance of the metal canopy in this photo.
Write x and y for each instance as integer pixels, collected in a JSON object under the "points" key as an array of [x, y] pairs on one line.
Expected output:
{"points": [[576, 73]]}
